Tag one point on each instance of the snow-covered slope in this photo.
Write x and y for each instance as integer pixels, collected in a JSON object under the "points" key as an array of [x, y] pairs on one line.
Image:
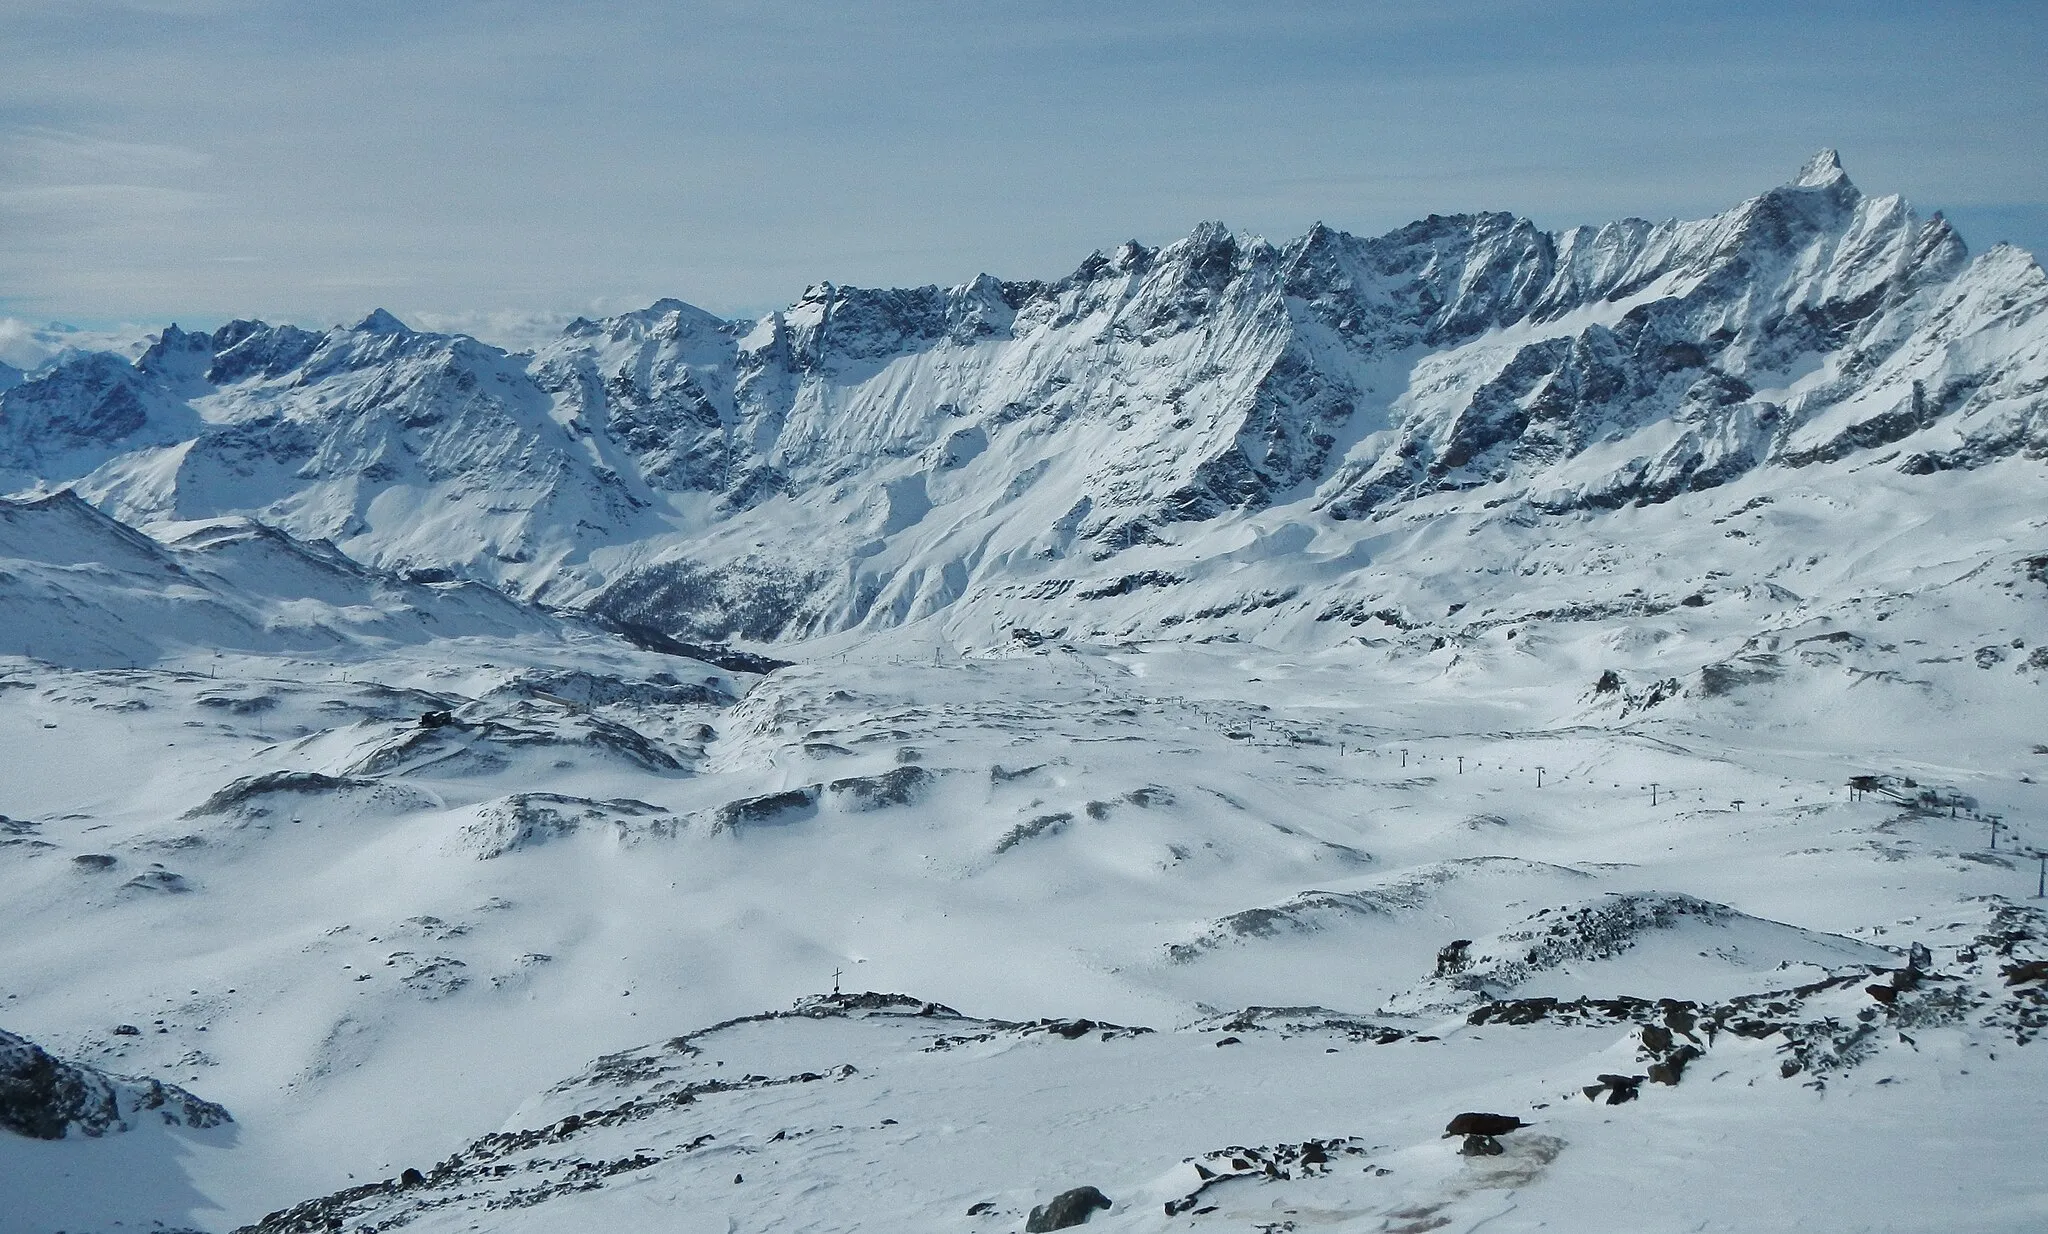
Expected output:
{"points": [[1463, 670], [376, 903], [869, 1111], [82, 589]]}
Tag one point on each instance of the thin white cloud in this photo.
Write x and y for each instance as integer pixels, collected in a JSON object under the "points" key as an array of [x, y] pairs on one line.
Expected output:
{"points": [[511, 330], [53, 153], [31, 347], [80, 202]]}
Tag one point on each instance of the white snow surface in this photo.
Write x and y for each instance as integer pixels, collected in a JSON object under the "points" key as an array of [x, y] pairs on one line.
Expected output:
{"points": [[1444, 751]]}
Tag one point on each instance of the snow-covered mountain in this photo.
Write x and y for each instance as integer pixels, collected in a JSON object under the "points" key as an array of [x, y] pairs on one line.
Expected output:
{"points": [[1284, 697], [85, 590], [866, 458]]}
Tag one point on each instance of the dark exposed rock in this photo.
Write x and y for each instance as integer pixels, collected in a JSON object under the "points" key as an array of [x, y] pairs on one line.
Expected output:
{"points": [[1727, 677], [1068, 1030], [900, 786], [1670, 1068], [769, 809], [1130, 583], [1618, 1089], [45, 1097], [1476, 1123], [634, 745], [1567, 1011], [1044, 824], [158, 880], [2024, 972], [1480, 1146], [1068, 1208], [486, 746], [1593, 930]]}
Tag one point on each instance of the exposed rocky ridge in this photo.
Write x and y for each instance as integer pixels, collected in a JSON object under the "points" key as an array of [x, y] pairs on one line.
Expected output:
{"points": [[47, 1098]]}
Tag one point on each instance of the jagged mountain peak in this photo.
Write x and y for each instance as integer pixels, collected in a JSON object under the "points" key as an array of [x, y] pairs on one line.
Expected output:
{"points": [[1823, 170], [178, 355], [381, 322], [1209, 235], [2008, 256]]}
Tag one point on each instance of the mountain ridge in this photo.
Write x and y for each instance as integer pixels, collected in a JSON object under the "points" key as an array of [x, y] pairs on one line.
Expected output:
{"points": [[873, 456]]}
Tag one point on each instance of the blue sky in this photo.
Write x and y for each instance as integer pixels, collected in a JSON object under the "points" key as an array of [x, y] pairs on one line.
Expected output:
{"points": [[489, 163]]}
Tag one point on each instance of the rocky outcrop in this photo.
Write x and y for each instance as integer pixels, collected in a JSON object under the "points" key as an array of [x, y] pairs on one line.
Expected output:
{"points": [[1069, 1208], [48, 1098]]}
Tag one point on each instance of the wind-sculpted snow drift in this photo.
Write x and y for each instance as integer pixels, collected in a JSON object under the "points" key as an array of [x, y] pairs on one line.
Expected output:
{"points": [[1292, 699]]}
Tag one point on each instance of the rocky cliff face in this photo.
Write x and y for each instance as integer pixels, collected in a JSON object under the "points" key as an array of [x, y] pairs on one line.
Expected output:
{"points": [[875, 457], [47, 1098]]}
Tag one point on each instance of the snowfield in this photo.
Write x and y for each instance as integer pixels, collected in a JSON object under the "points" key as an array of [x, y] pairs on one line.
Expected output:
{"points": [[1191, 731]]}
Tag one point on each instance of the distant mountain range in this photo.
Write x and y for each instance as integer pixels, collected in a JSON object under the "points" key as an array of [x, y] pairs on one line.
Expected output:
{"points": [[1060, 453]]}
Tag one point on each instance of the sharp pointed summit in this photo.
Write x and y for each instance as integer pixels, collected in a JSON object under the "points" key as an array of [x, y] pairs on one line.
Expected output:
{"points": [[1822, 170], [381, 322]]}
